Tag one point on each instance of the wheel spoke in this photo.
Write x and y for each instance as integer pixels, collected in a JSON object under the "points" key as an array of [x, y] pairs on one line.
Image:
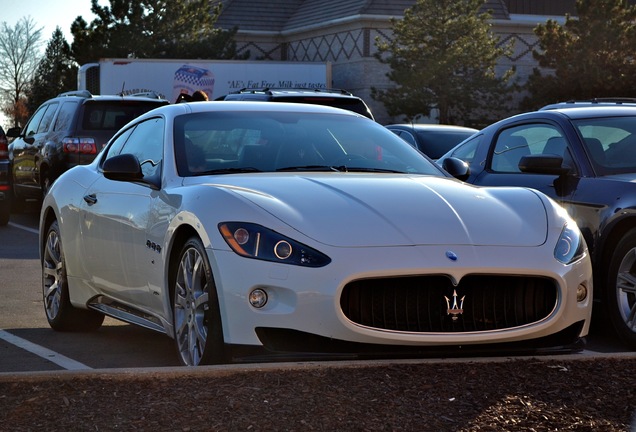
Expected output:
{"points": [[631, 319], [201, 302], [626, 282]]}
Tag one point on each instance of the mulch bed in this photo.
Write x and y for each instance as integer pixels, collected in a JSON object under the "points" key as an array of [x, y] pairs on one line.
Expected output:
{"points": [[532, 394]]}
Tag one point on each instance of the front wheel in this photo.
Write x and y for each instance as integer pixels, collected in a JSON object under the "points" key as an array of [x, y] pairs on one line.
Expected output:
{"points": [[619, 292], [60, 314], [197, 318]]}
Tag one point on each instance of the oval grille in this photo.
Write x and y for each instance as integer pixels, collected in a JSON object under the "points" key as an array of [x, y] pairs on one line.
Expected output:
{"points": [[419, 304]]}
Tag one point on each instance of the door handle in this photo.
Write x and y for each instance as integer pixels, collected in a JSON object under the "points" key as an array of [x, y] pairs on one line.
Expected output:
{"points": [[90, 199]]}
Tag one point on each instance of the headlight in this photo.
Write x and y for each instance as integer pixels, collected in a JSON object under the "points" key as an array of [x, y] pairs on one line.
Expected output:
{"points": [[255, 241], [570, 246]]}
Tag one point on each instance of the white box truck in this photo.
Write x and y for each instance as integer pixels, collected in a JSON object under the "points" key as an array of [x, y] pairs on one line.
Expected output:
{"points": [[169, 78]]}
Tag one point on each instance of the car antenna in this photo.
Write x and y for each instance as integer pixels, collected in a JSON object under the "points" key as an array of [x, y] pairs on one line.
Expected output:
{"points": [[123, 85]]}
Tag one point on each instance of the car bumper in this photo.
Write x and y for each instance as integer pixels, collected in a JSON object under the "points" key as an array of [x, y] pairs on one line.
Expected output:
{"points": [[307, 301]]}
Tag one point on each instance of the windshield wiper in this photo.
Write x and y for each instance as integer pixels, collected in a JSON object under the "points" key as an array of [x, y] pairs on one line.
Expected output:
{"points": [[229, 171], [314, 168], [379, 170]]}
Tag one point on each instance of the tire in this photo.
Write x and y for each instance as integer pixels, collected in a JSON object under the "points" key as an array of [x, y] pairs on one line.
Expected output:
{"points": [[5, 212], [619, 291], [61, 315], [46, 185], [18, 203], [197, 319]]}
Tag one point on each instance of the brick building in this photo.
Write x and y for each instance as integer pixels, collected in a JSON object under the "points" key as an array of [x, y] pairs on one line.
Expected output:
{"points": [[343, 32]]}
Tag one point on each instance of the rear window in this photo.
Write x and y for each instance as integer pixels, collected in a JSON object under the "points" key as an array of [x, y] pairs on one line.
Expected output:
{"points": [[112, 115], [351, 104]]}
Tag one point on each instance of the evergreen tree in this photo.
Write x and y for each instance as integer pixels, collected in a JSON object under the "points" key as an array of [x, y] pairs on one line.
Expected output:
{"points": [[55, 73], [152, 29], [592, 55], [443, 55]]}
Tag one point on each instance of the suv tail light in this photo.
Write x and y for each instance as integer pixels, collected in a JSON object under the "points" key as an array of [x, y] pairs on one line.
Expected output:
{"points": [[79, 145], [4, 147]]}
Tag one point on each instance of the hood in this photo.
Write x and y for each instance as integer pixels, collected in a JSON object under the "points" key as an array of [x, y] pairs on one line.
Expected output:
{"points": [[355, 210]]}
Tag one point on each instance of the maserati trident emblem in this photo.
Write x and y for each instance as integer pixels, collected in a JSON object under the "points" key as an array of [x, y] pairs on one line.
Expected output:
{"points": [[455, 310]]}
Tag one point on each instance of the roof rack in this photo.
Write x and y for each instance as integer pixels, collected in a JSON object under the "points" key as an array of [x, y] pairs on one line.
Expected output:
{"points": [[79, 93], [148, 94], [591, 102], [616, 100], [269, 90]]}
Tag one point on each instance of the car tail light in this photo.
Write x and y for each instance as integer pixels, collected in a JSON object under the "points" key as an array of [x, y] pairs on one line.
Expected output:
{"points": [[4, 147], [79, 145]]}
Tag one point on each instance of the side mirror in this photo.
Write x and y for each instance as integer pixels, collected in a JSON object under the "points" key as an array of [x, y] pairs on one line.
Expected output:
{"points": [[14, 132], [543, 164], [123, 167], [457, 168]]}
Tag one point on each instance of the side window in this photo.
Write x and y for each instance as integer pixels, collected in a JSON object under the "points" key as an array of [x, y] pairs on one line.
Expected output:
{"points": [[408, 137], [466, 151], [115, 148], [47, 118], [146, 143], [65, 117], [514, 143], [34, 123]]}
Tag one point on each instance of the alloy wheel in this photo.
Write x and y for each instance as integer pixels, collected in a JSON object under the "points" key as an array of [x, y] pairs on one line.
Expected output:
{"points": [[191, 307]]}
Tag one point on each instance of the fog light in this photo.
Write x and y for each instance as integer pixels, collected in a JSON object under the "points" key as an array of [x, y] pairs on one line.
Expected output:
{"points": [[581, 293], [258, 298]]}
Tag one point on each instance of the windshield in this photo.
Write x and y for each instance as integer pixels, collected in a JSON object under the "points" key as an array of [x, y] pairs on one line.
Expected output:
{"points": [[610, 143], [235, 142]]}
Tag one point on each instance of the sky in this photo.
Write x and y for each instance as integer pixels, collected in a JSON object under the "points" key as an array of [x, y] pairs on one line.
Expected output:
{"points": [[48, 14]]}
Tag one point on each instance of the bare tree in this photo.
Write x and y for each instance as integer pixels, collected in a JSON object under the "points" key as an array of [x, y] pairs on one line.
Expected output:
{"points": [[20, 51]]}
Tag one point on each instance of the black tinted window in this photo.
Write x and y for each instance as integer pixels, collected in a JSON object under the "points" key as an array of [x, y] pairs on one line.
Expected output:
{"points": [[65, 117], [113, 115]]}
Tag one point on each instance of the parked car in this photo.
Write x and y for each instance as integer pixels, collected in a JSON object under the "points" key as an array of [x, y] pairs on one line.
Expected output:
{"points": [[432, 139], [584, 157], [329, 97], [5, 186], [247, 230], [65, 131]]}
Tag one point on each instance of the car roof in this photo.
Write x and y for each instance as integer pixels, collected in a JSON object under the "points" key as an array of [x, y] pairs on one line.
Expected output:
{"points": [[594, 111], [431, 127], [245, 106], [591, 103]]}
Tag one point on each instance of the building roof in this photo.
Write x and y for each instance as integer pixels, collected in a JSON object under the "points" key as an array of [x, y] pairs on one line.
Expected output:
{"points": [[276, 16]]}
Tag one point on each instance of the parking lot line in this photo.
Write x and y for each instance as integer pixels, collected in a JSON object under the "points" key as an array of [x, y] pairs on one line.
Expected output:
{"points": [[25, 228], [45, 353]]}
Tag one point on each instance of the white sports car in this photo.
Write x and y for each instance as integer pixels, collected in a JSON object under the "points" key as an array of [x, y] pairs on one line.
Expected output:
{"points": [[245, 230]]}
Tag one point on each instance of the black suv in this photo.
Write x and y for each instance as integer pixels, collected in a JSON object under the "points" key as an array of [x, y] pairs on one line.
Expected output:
{"points": [[331, 97], [66, 131]]}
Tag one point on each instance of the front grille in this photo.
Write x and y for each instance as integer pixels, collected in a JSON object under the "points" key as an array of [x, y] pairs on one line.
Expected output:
{"points": [[418, 304]]}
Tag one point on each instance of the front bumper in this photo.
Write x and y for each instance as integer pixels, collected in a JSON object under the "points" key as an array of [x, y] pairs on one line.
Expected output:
{"points": [[307, 301]]}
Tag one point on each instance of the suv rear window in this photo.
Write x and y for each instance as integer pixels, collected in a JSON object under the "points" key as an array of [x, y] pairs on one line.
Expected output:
{"points": [[112, 115], [351, 104]]}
